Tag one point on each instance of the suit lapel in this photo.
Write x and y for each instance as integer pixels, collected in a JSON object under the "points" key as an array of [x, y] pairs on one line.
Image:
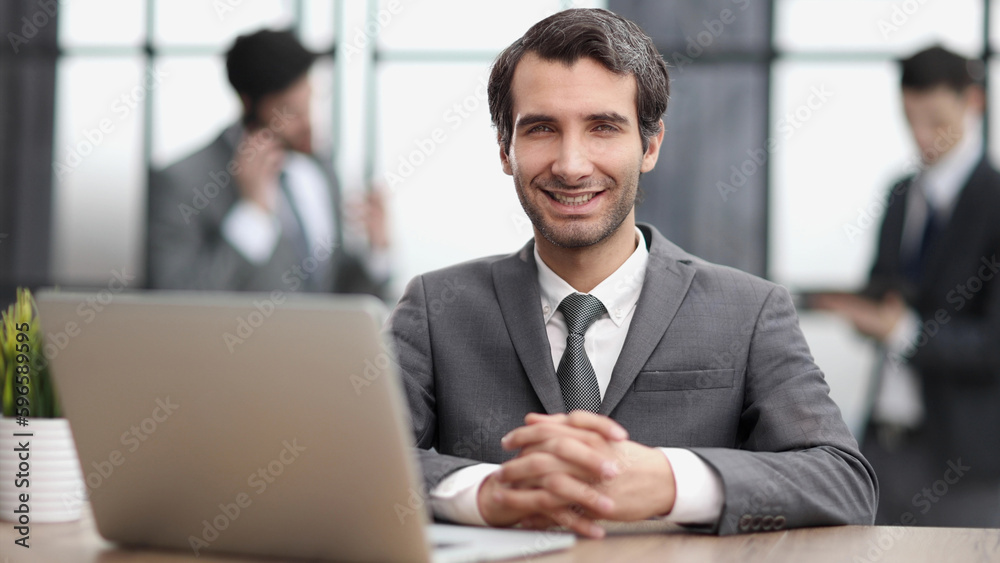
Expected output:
{"points": [[667, 282], [515, 280], [895, 225], [224, 152]]}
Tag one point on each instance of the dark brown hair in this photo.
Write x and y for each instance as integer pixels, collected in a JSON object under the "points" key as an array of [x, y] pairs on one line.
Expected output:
{"points": [[570, 35], [935, 67], [265, 62]]}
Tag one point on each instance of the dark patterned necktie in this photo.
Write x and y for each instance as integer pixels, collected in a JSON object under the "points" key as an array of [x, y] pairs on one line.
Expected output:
{"points": [[290, 219], [915, 268], [576, 374], [294, 229]]}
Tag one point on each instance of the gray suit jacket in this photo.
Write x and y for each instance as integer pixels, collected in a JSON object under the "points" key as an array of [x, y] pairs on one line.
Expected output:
{"points": [[714, 361], [186, 250]]}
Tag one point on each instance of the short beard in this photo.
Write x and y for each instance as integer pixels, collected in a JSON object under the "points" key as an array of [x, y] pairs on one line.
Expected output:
{"points": [[581, 237]]}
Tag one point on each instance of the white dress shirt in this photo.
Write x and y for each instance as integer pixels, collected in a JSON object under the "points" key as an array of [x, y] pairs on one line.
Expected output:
{"points": [[899, 398], [699, 492], [254, 232]]}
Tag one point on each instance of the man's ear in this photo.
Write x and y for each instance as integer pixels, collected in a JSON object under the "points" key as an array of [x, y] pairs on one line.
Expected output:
{"points": [[652, 153], [249, 110], [504, 159]]}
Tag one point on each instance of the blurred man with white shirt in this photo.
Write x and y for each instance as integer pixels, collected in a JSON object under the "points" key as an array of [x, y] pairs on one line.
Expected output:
{"points": [[933, 304], [255, 210]]}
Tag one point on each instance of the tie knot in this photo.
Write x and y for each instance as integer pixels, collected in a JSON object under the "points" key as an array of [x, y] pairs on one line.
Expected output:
{"points": [[580, 311]]}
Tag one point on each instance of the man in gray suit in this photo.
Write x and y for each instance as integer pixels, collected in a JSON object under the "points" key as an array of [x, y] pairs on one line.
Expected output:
{"points": [[254, 210], [691, 393]]}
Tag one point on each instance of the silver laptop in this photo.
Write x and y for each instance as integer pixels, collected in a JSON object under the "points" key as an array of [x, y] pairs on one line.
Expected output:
{"points": [[257, 424]]}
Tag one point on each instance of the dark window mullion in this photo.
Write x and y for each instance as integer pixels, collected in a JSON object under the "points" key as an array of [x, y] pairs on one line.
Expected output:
{"points": [[338, 80], [147, 124], [371, 95], [987, 57], [772, 55]]}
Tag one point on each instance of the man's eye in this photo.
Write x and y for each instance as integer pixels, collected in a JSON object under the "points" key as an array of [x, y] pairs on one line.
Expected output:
{"points": [[540, 129], [606, 128]]}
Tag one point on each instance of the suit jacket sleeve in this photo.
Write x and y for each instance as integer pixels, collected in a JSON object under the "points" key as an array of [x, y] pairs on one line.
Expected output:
{"points": [[965, 347], [885, 270], [796, 463], [408, 328], [183, 254], [961, 340]]}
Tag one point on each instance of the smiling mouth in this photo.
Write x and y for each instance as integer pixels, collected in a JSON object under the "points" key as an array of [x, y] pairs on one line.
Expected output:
{"points": [[575, 200]]}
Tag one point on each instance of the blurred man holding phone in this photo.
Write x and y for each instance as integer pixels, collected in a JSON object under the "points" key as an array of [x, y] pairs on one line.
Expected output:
{"points": [[255, 210]]}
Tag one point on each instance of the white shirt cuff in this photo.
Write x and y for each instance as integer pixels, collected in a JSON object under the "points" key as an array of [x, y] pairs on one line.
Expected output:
{"points": [[456, 497], [252, 231], [903, 337], [699, 493]]}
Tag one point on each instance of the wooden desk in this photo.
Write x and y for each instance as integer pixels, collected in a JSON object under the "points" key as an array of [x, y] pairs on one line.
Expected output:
{"points": [[78, 542]]}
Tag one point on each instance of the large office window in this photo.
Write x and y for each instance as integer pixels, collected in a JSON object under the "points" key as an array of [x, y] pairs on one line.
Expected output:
{"points": [[400, 99]]}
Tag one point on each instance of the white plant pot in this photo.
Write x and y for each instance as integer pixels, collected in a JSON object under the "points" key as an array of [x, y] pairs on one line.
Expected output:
{"points": [[53, 482]]}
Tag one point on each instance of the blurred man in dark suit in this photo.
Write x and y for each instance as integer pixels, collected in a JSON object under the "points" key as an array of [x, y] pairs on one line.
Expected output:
{"points": [[933, 304], [255, 210]]}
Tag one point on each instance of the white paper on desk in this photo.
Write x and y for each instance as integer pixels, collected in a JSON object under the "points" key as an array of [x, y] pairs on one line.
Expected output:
{"points": [[615, 528]]}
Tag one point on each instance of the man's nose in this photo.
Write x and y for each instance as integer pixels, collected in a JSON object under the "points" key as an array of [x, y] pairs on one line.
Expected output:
{"points": [[573, 162]]}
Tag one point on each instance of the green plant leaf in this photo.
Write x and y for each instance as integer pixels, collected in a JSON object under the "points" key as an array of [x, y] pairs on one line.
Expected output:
{"points": [[41, 393]]}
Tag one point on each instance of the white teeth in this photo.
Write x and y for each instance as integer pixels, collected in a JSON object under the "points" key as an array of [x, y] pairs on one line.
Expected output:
{"points": [[578, 200]]}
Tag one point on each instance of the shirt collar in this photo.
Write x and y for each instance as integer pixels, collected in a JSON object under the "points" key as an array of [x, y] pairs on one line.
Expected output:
{"points": [[942, 182], [619, 292]]}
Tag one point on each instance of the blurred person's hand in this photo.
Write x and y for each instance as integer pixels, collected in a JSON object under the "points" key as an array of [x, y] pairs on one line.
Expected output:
{"points": [[876, 319], [259, 160]]}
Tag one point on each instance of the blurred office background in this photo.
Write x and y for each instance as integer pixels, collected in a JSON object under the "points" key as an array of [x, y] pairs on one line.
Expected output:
{"points": [[783, 132]]}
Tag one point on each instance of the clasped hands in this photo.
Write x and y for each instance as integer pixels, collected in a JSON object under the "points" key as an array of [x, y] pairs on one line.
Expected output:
{"points": [[572, 470]]}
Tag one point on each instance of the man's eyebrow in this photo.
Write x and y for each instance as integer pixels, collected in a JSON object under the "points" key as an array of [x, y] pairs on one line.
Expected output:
{"points": [[533, 118], [610, 117]]}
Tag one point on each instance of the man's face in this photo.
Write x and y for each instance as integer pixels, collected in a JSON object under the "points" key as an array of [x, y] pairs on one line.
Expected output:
{"points": [[936, 118], [287, 113], [575, 151]]}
